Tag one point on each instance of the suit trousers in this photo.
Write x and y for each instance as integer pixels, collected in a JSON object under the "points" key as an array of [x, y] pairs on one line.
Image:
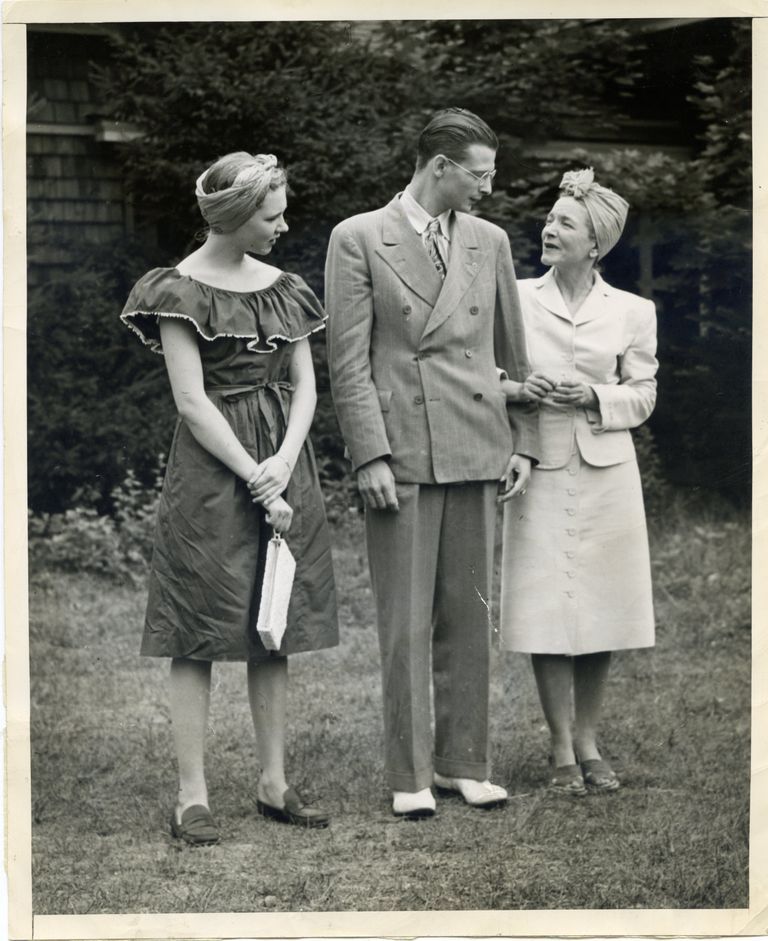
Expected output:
{"points": [[431, 565]]}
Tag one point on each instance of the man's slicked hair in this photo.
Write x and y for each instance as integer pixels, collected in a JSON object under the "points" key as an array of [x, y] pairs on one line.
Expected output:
{"points": [[451, 132]]}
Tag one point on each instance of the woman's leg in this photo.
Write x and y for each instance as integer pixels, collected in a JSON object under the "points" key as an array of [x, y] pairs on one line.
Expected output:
{"points": [[268, 694], [554, 679], [590, 672], [190, 696]]}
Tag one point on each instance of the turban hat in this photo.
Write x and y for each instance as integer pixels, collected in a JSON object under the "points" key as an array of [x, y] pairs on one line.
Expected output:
{"points": [[227, 209], [607, 210]]}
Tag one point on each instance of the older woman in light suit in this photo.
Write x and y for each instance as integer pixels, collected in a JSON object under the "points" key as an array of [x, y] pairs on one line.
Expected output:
{"points": [[576, 581]]}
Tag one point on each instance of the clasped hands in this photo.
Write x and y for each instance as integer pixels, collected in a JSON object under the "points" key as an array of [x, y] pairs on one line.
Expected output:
{"points": [[538, 386], [266, 485]]}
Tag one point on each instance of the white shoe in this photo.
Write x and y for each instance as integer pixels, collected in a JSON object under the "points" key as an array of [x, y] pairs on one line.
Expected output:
{"points": [[413, 804], [475, 793]]}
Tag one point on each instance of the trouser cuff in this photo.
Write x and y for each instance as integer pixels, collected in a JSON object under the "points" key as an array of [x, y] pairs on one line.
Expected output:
{"points": [[410, 781], [455, 768]]}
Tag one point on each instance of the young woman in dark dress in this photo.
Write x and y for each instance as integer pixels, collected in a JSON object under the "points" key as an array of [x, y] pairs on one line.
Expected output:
{"points": [[234, 332]]}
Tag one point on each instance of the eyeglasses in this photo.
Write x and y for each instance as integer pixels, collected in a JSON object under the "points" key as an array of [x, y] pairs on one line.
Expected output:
{"points": [[481, 178]]}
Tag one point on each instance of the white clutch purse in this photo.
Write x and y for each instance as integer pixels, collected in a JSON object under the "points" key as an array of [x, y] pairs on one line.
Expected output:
{"points": [[275, 593]]}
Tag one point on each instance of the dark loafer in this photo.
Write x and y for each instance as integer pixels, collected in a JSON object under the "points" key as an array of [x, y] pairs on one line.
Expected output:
{"points": [[197, 826], [294, 811], [599, 776]]}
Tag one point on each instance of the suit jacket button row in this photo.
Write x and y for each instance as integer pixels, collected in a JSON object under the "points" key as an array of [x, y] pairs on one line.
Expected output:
{"points": [[468, 354], [407, 309], [474, 310], [418, 399]]}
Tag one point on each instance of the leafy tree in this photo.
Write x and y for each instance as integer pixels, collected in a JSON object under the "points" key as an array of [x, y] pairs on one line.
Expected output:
{"points": [[331, 106], [534, 79], [342, 106]]}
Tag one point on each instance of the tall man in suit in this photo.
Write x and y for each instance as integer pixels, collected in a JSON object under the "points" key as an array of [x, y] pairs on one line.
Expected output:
{"points": [[423, 308]]}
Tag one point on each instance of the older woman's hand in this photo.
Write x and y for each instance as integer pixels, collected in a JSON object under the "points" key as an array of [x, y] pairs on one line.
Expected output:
{"points": [[533, 389], [537, 386], [578, 394], [279, 515]]}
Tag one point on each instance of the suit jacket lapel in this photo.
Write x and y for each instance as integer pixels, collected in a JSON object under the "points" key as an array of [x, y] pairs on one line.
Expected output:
{"points": [[465, 264], [549, 296], [596, 303], [404, 252], [594, 306]]}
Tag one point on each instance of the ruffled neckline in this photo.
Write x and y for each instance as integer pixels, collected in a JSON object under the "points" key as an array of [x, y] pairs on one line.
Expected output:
{"points": [[213, 287], [285, 310]]}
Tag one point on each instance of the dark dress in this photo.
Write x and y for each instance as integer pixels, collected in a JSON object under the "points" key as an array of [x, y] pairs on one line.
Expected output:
{"points": [[211, 539]]}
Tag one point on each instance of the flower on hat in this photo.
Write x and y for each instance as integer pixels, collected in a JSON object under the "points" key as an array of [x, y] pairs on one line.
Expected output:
{"points": [[577, 183]]}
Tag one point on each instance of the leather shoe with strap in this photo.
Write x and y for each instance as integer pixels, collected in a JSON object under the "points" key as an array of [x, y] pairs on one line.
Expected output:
{"points": [[599, 776], [413, 805], [475, 793]]}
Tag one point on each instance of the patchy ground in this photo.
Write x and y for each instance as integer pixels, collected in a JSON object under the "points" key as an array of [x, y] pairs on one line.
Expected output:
{"points": [[678, 724]]}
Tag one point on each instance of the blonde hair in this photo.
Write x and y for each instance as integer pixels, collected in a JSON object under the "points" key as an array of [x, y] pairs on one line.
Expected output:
{"points": [[232, 189]]}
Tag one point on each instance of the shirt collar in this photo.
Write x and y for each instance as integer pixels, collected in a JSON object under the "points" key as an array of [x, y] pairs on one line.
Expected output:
{"points": [[419, 218]]}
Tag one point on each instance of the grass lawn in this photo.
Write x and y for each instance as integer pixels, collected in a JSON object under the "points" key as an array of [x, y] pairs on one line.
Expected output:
{"points": [[677, 726]]}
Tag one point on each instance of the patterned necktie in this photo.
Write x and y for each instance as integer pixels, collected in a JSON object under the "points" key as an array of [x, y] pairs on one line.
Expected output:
{"points": [[430, 240]]}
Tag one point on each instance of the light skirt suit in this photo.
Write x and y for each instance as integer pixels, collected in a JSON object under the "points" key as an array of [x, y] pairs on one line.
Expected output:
{"points": [[576, 573]]}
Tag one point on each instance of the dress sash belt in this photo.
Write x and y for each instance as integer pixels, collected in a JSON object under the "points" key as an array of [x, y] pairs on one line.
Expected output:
{"points": [[273, 390]]}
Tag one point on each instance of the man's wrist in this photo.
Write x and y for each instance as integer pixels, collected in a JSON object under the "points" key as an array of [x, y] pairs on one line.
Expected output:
{"points": [[512, 390]]}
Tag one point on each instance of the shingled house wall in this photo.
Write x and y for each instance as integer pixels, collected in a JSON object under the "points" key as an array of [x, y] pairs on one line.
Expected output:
{"points": [[74, 188]]}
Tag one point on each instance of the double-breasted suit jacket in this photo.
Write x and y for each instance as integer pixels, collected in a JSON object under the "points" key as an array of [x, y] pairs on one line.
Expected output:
{"points": [[610, 344], [413, 358]]}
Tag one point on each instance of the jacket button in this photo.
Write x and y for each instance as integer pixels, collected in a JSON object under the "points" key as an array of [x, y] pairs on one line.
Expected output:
{"points": [[468, 354], [418, 399], [407, 309], [474, 310], [571, 532], [478, 396], [571, 492]]}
